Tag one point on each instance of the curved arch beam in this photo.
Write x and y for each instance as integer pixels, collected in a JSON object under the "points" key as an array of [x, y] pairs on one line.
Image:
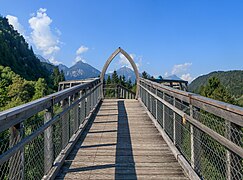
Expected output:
{"points": [[129, 58]]}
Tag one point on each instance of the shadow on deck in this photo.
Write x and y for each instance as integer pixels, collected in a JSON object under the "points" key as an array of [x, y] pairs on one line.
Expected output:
{"points": [[121, 142]]}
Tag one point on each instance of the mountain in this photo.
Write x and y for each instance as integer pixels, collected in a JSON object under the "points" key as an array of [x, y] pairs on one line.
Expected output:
{"points": [[78, 71], [232, 80], [16, 54], [42, 59], [127, 72], [62, 67]]}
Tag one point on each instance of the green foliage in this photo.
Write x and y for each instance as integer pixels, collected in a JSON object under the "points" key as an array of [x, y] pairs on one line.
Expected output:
{"points": [[41, 88], [215, 90], [212, 166], [20, 69], [145, 75], [16, 54], [240, 101], [108, 81], [15, 90], [57, 77], [115, 78], [231, 80]]}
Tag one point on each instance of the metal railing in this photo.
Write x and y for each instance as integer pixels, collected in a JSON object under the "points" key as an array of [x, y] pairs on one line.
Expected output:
{"points": [[36, 137], [208, 133], [117, 91]]}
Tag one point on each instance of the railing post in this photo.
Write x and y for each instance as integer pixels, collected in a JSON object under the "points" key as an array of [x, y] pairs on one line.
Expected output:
{"points": [[65, 124], [163, 112], [156, 105], [48, 142], [234, 162], [192, 140], [174, 122], [85, 105], [76, 113], [16, 162]]}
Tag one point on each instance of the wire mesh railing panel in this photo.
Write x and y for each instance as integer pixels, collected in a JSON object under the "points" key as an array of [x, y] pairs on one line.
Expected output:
{"points": [[210, 156], [34, 158], [211, 143], [160, 109], [29, 149], [57, 138], [169, 128], [183, 137], [153, 106], [32, 124], [4, 141]]}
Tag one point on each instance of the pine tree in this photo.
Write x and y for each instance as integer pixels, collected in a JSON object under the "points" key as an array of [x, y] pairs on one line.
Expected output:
{"points": [[115, 78], [41, 88], [215, 90], [145, 75], [108, 81]]}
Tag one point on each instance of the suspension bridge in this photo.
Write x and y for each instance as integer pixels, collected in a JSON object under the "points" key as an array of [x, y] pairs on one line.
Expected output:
{"points": [[156, 133]]}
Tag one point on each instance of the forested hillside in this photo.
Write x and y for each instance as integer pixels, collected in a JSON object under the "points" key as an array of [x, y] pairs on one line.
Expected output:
{"points": [[231, 80], [22, 76], [16, 53]]}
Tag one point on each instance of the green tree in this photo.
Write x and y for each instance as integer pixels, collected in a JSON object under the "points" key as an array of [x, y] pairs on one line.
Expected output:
{"points": [[115, 78], [41, 88], [123, 81], [129, 84], [145, 75], [20, 91], [215, 90], [108, 81], [57, 77]]}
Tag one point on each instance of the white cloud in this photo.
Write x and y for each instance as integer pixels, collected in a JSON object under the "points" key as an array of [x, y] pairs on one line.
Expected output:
{"points": [[166, 74], [13, 20], [124, 62], [186, 77], [182, 71], [42, 36], [54, 61], [77, 59], [82, 50], [180, 68]]}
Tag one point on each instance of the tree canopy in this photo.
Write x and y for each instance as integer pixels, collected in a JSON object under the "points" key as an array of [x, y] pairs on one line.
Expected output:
{"points": [[215, 90]]}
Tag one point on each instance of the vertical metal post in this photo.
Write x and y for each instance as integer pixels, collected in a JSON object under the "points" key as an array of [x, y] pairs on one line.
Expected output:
{"points": [[16, 162], [192, 140], [85, 105], [174, 122], [65, 124], [76, 113], [234, 162], [163, 111], [48, 142], [156, 105]]}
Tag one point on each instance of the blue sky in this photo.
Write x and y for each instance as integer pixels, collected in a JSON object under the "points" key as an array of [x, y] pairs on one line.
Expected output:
{"points": [[183, 37]]}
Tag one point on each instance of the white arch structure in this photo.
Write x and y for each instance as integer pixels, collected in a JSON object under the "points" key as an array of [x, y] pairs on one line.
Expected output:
{"points": [[129, 58]]}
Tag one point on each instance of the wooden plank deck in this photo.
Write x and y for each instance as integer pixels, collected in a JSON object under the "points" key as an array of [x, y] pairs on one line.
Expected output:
{"points": [[121, 143]]}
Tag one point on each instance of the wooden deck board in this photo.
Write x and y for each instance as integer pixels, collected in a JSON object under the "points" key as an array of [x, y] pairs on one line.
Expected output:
{"points": [[121, 143]]}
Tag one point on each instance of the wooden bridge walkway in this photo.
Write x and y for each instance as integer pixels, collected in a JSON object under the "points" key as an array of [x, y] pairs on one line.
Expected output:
{"points": [[121, 142]]}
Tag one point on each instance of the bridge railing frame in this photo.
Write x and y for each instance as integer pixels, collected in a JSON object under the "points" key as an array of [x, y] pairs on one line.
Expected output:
{"points": [[75, 107], [118, 91], [178, 112]]}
